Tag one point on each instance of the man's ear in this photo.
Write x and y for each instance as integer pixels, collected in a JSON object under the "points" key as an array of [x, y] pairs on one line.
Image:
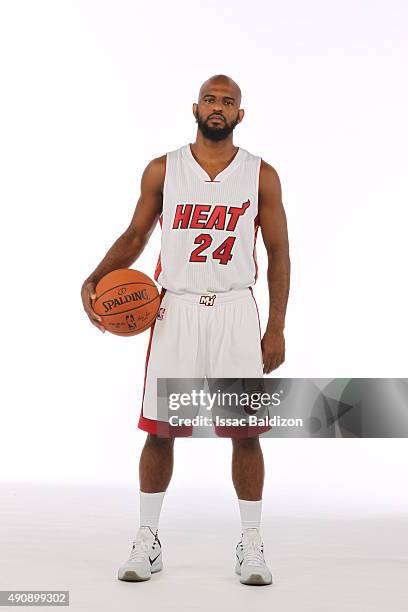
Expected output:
{"points": [[195, 108], [241, 114]]}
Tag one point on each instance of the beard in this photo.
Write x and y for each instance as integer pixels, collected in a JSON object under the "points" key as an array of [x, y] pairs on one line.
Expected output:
{"points": [[215, 133]]}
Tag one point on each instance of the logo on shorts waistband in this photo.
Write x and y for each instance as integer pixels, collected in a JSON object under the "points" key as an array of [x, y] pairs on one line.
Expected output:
{"points": [[207, 300]]}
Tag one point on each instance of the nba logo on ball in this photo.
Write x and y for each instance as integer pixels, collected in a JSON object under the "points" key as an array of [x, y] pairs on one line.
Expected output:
{"points": [[130, 320], [160, 314]]}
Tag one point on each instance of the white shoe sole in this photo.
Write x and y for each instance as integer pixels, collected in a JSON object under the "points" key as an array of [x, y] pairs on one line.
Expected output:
{"points": [[131, 574], [253, 578]]}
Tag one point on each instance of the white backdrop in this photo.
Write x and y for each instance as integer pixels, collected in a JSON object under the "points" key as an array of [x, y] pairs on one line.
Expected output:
{"points": [[91, 91]]}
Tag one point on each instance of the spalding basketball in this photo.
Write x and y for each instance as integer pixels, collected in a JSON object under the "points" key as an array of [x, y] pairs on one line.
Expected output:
{"points": [[127, 301]]}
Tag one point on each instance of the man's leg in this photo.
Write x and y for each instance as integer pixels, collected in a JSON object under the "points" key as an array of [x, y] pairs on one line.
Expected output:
{"points": [[248, 477], [248, 468], [156, 464], [155, 470]]}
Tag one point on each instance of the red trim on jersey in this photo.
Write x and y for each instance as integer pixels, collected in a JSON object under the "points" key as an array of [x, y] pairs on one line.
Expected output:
{"points": [[158, 265], [256, 227], [158, 269]]}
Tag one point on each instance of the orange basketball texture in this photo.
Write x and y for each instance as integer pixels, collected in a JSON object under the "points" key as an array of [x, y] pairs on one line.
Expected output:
{"points": [[127, 301]]}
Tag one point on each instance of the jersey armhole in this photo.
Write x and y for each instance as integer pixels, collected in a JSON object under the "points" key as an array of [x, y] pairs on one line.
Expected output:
{"points": [[258, 176], [165, 177]]}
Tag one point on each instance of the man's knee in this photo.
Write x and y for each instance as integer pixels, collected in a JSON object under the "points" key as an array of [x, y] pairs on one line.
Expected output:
{"points": [[158, 442], [252, 442]]}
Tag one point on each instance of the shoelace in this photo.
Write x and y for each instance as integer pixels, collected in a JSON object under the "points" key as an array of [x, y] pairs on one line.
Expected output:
{"points": [[140, 550], [252, 552]]}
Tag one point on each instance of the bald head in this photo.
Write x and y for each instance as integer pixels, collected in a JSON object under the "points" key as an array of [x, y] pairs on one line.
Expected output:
{"points": [[217, 110], [219, 82]]}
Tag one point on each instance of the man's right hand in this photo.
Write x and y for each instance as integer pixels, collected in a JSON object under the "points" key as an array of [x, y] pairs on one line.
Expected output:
{"points": [[88, 294]]}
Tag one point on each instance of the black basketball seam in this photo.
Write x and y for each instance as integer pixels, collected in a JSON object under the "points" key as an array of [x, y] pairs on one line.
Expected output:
{"points": [[124, 285]]}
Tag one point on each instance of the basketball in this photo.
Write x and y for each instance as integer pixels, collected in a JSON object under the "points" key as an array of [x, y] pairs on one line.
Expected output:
{"points": [[127, 301]]}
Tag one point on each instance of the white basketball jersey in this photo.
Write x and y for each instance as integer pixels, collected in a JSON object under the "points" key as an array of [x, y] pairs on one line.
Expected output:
{"points": [[209, 227]]}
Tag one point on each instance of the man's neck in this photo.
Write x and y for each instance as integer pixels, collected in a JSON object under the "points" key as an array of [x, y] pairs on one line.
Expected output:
{"points": [[206, 149]]}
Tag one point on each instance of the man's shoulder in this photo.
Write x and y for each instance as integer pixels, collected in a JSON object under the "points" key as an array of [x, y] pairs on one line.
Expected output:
{"points": [[157, 162], [268, 173], [153, 175], [269, 181]]}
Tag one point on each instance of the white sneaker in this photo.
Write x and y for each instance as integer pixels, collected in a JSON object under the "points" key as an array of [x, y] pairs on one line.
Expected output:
{"points": [[145, 557], [250, 565]]}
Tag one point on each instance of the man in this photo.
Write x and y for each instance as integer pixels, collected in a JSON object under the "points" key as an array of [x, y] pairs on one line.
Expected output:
{"points": [[210, 197]]}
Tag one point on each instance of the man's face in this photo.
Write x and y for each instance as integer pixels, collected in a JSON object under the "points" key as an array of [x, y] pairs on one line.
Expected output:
{"points": [[217, 112]]}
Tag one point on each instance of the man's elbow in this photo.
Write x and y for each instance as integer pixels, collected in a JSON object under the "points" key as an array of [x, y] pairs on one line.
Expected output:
{"points": [[278, 251], [135, 241]]}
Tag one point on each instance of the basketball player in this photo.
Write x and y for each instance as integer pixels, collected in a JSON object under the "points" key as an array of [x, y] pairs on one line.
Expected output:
{"points": [[210, 197]]}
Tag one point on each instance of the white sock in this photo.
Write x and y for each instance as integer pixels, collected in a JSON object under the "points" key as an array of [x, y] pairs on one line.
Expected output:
{"points": [[250, 513], [150, 508]]}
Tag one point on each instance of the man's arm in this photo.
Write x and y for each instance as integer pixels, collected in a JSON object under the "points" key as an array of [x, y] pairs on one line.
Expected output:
{"points": [[131, 243], [272, 220]]}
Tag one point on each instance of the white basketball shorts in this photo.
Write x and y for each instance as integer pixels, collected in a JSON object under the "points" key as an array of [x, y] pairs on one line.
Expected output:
{"points": [[200, 336]]}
